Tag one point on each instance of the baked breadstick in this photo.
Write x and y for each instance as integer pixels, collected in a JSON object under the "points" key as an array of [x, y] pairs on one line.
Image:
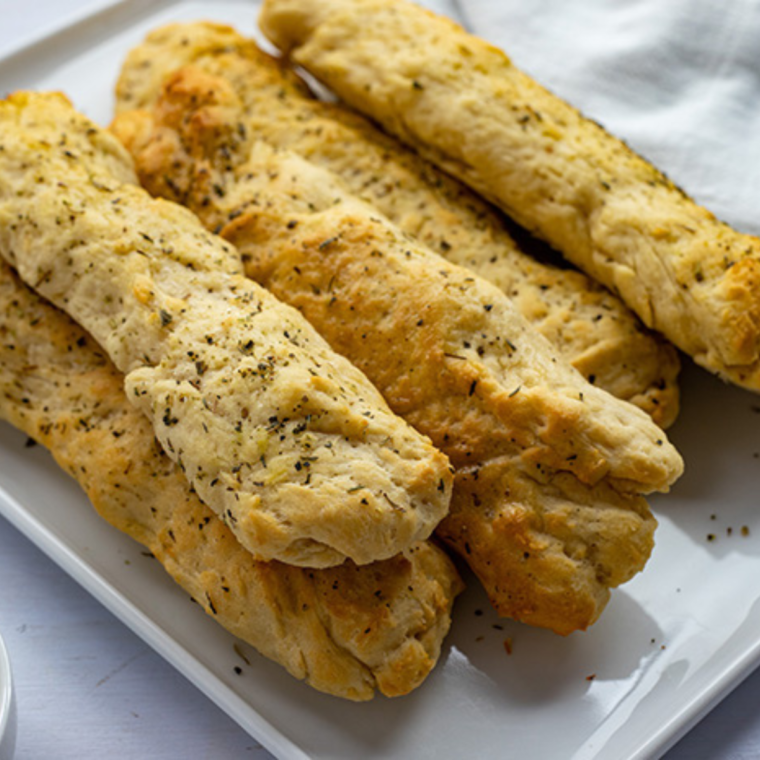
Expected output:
{"points": [[347, 630], [283, 438], [448, 351], [461, 103], [587, 324]]}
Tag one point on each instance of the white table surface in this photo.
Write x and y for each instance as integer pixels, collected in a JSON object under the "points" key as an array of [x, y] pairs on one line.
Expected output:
{"points": [[87, 687]]}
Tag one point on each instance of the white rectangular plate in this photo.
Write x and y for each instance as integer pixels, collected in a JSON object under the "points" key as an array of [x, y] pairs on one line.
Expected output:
{"points": [[669, 646]]}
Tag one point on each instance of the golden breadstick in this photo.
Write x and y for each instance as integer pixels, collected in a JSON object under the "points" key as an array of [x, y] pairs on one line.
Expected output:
{"points": [[282, 437], [461, 103]]}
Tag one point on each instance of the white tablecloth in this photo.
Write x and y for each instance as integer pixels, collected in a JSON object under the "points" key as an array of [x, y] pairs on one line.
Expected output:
{"points": [[89, 688]]}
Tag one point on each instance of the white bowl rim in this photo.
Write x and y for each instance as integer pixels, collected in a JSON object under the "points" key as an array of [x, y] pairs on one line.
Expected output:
{"points": [[6, 689]]}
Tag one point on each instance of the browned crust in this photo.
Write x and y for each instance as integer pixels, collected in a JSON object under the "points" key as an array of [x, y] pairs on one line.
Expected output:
{"points": [[553, 567]]}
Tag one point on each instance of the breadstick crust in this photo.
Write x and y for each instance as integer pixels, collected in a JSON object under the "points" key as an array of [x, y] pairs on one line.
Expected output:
{"points": [[587, 324], [286, 440], [552, 566], [462, 104], [448, 351], [348, 631]]}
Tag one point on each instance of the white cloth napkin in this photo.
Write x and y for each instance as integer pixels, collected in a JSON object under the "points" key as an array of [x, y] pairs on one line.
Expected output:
{"points": [[678, 80]]}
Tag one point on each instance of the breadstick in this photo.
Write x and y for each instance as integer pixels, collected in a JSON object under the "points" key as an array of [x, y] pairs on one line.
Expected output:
{"points": [[347, 630], [447, 349], [585, 322], [283, 438], [461, 103]]}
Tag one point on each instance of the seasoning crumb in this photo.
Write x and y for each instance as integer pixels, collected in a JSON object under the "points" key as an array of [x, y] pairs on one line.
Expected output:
{"points": [[478, 612], [238, 670], [498, 627], [240, 653], [508, 645], [745, 530], [480, 638], [30, 443], [711, 537], [591, 677]]}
